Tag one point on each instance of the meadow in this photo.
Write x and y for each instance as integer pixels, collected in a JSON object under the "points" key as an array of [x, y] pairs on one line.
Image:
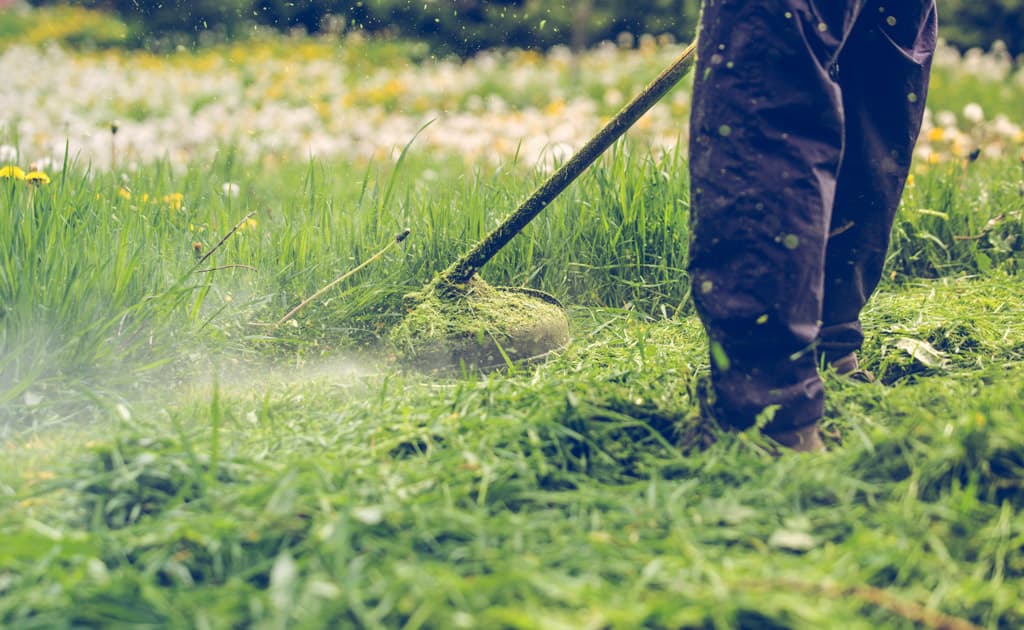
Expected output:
{"points": [[172, 459]]}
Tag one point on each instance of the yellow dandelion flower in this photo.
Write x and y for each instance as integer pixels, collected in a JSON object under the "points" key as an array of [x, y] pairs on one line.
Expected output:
{"points": [[962, 149], [124, 193], [248, 224], [555, 107], [936, 134], [174, 201], [910, 180], [37, 178], [11, 172]]}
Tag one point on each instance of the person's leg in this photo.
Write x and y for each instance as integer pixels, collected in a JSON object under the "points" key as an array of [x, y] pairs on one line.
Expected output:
{"points": [[766, 137], [883, 74]]}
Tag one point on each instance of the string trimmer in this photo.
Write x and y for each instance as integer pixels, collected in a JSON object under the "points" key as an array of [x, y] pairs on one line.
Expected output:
{"points": [[459, 321]]}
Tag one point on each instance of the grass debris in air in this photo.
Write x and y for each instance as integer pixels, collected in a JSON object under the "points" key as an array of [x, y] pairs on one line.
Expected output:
{"points": [[478, 324]]}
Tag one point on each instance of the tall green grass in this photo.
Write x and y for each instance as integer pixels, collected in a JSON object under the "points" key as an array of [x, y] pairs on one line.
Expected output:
{"points": [[961, 218], [100, 285]]}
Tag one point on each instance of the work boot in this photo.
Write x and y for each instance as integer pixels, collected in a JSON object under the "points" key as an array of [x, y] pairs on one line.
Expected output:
{"points": [[848, 366], [804, 440]]}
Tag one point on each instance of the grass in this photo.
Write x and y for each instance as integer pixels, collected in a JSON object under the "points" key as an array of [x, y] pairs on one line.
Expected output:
{"points": [[170, 459], [69, 25], [101, 289], [538, 499], [101, 272]]}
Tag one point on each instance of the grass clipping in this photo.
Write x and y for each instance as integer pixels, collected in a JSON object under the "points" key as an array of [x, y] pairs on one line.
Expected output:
{"points": [[478, 325]]}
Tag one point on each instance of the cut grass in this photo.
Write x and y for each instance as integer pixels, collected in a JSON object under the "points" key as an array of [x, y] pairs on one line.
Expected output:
{"points": [[547, 498], [476, 325]]}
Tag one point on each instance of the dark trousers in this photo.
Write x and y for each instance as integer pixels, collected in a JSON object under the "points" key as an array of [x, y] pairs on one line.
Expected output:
{"points": [[805, 114]]}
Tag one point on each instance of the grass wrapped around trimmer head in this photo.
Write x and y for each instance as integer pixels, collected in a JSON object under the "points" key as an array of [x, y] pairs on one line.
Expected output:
{"points": [[479, 326]]}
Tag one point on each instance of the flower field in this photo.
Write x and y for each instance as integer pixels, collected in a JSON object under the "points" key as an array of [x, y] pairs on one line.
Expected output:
{"points": [[173, 458], [276, 100]]}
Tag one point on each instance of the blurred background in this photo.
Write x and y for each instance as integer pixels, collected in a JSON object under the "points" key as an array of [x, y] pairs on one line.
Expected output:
{"points": [[451, 26]]}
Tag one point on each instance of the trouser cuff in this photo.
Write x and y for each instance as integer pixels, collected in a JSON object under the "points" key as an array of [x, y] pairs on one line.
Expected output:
{"points": [[790, 392]]}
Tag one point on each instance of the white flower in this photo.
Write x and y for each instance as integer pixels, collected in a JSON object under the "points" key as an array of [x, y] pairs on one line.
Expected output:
{"points": [[945, 118], [1006, 128], [46, 163], [613, 97], [973, 113], [191, 109], [230, 189]]}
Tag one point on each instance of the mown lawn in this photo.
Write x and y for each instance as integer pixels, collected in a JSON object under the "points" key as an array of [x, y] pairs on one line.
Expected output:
{"points": [[579, 493]]}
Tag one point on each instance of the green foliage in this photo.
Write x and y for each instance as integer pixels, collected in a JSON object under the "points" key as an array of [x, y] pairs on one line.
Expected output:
{"points": [[969, 218], [978, 23], [463, 27], [466, 26], [152, 22], [71, 26]]}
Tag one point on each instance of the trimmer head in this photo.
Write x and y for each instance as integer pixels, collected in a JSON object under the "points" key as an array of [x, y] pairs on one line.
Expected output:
{"points": [[478, 327]]}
